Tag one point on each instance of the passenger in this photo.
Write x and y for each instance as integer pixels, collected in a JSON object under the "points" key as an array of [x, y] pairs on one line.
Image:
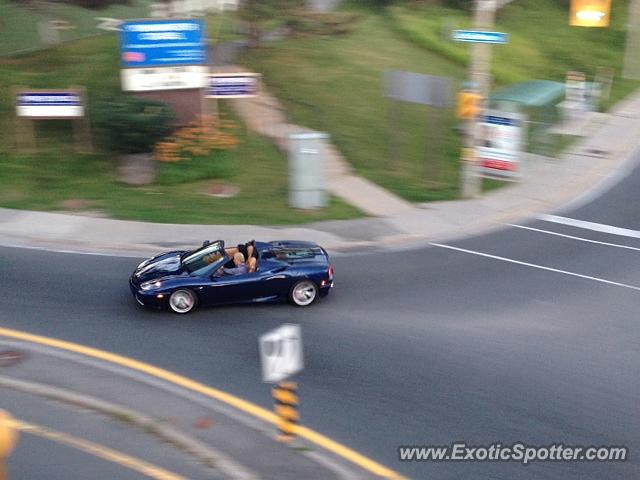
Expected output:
{"points": [[246, 249], [240, 266]]}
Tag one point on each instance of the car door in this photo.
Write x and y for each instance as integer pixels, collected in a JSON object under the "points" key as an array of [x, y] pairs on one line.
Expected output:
{"points": [[274, 279]]}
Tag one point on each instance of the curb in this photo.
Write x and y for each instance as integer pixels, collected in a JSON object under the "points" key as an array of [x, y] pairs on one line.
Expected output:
{"points": [[203, 453]]}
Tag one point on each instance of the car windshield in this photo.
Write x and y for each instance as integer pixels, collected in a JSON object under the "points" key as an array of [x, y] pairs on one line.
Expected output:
{"points": [[203, 258]]}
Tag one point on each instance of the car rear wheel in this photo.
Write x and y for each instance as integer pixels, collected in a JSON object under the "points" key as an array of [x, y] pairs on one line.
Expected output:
{"points": [[303, 293], [183, 301]]}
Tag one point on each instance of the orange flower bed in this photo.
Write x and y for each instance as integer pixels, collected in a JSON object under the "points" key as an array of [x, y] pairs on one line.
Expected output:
{"points": [[197, 140]]}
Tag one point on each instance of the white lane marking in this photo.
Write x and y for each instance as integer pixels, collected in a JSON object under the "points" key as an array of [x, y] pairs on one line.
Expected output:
{"points": [[581, 239], [540, 267], [596, 227]]}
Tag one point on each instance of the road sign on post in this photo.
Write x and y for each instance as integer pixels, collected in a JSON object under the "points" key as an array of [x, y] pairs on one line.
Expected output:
{"points": [[478, 36], [281, 353]]}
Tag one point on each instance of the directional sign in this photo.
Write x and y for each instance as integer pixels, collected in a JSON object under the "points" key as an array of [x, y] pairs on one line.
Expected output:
{"points": [[475, 36], [281, 353], [233, 85]]}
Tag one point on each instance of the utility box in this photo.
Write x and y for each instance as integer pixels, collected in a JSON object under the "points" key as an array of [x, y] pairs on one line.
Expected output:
{"points": [[307, 182]]}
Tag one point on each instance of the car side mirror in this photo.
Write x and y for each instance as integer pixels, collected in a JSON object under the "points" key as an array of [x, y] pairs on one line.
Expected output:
{"points": [[206, 243]]}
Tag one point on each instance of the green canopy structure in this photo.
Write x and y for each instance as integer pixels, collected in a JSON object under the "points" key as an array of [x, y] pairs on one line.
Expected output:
{"points": [[531, 94], [538, 100]]}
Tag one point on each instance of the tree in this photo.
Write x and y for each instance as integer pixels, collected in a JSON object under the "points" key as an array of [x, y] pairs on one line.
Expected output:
{"points": [[256, 12]]}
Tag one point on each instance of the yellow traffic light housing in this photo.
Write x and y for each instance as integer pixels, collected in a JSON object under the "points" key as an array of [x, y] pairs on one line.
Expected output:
{"points": [[468, 105], [590, 13]]}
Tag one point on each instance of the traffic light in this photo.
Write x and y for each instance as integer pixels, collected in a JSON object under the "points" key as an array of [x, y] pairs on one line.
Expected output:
{"points": [[468, 105], [590, 13]]}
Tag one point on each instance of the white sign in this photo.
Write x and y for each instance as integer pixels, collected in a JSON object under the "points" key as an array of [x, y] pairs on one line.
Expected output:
{"points": [[233, 85], [499, 143], [49, 104], [164, 78], [281, 353]]}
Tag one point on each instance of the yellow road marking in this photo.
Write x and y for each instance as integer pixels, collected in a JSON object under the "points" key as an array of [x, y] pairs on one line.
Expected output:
{"points": [[243, 405], [97, 450]]}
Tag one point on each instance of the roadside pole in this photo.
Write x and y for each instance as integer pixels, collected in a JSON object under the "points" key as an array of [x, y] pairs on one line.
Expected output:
{"points": [[480, 76], [8, 439], [281, 357]]}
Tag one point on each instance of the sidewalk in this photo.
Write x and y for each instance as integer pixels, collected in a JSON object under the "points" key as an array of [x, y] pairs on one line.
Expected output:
{"points": [[547, 184]]}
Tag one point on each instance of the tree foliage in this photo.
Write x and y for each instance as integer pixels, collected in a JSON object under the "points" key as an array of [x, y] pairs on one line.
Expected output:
{"points": [[257, 13]]}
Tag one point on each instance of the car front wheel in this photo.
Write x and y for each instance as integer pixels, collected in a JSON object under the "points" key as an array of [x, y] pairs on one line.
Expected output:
{"points": [[303, 293], [182, 301]]}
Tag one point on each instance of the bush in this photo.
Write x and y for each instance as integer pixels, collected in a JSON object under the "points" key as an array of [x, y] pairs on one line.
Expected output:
{"points": [[316, 23], [131, 124]]}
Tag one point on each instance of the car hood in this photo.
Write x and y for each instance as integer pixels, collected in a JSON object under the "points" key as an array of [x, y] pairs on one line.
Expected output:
{"points": [[167, 264]]}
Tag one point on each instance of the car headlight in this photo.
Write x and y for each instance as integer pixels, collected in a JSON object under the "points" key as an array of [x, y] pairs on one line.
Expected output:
{"points": [[151, 285], [143, 264]]}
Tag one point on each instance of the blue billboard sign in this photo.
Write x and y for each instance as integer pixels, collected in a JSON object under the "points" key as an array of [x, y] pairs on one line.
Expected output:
{"points": [[162, 43]]}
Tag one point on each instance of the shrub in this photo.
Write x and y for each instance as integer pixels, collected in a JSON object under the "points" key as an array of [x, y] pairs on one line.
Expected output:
{"points": [[196, 140], [130, 124], [322, 23]]}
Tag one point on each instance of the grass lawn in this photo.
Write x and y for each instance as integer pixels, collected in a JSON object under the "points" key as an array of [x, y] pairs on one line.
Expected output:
{"points": [[336, 84], [541, 45], [55, 174], [19, 25]]}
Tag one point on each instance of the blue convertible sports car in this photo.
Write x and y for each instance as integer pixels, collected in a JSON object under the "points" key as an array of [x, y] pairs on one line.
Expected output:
{"points": [[296, 271]]}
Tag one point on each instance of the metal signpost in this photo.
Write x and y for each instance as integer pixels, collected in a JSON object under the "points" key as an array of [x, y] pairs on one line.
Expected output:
{"points": [[500, 138], [281, 357]]}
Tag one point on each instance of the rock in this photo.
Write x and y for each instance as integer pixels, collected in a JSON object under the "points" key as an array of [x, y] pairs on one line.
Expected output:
{"points": [[137, 169]]}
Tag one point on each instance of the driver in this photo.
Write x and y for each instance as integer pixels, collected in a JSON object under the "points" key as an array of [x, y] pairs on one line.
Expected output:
{"points": [[240, 266]]}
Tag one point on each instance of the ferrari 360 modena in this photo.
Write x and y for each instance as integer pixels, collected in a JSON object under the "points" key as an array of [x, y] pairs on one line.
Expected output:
{"points": [[295, 271]]}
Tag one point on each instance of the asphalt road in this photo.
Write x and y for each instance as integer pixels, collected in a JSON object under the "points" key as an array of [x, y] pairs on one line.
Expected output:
{"points": [[538, 342]]}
